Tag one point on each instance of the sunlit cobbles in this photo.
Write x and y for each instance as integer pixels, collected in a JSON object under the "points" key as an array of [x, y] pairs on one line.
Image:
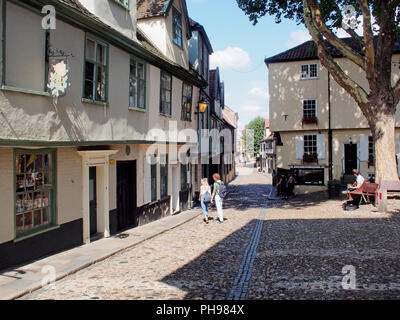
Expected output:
{"points": [[302, 249], [193, 261]]}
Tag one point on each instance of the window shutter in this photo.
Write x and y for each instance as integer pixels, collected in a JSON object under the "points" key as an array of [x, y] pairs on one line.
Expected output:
{"points": [[364, 148], [321, 146], [299, 147], [147, 179]]}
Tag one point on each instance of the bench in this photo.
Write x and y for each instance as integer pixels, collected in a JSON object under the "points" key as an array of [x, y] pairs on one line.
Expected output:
{"points": [[367, 190], [392, 187]]}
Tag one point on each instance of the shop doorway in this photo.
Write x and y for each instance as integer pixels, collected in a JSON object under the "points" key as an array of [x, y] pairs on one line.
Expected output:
{"points": [[126, 195]]}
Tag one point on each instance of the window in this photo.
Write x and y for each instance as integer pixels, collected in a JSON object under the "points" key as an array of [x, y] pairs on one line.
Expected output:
{"points": [[206, 63], [371, 146], [165, 94], [34, 190], [124, 3], [310, 109], [177, 27], [153, 181], [187, 91], [310, 144], [201, 56], [137, 84], [371, 149], [309, 71], [96, 69], [164, 176], [309, 176]]}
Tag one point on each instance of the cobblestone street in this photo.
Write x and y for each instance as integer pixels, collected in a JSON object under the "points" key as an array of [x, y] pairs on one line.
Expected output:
{"points": [[264, 250]]}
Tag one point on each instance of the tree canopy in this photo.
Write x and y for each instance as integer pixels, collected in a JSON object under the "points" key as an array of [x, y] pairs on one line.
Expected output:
{"points": [[379, 21], [257, 125]]}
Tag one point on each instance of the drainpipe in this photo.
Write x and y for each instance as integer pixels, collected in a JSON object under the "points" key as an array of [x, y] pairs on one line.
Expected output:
{"points": [[330, 143]]}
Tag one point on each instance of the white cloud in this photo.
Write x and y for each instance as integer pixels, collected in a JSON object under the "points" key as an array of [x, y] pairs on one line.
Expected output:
{"points": [[298, 37], [252, 108], [230, 58], [259, 93]]}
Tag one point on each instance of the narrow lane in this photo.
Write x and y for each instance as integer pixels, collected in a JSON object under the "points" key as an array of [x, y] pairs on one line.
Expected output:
{"points": [[193, 261]]}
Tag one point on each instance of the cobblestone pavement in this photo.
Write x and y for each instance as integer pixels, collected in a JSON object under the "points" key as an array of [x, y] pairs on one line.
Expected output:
{"points": [[264, 250]]}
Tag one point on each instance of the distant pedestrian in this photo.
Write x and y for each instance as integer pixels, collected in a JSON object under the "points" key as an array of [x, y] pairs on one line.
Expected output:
{"points": [[217, 197], [205, 197], [290, 184]]}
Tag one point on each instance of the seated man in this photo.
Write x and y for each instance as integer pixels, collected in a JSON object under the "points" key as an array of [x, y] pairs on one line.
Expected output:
{"points": [[359, 181]]}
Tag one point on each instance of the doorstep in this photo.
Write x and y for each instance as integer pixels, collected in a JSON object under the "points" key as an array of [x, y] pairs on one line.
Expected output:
{"points": [[22, 280]]}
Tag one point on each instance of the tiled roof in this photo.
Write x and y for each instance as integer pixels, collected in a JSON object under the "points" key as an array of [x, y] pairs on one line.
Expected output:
{"points": [[229, 116], [77, 6], [151, 8], [142, 39], [308, 51], [197, 26]]}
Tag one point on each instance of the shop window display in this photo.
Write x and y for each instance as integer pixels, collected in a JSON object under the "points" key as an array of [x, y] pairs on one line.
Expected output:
{"points": [[34, 191]]}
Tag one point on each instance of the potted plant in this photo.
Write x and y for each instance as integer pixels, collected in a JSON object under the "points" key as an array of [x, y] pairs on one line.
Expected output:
{"points": [[334, 189], [310, 158]]}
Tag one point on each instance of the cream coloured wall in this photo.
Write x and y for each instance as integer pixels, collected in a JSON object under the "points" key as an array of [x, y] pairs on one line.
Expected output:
{"points": [[159, 31], [286, 154], [165, 124], [6, 194], [156, 30], [69, 185], [25, 43], [114, 15], [287, 90]]}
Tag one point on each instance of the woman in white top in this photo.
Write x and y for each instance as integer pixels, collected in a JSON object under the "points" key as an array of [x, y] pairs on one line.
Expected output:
{"points": [[205, 197]]}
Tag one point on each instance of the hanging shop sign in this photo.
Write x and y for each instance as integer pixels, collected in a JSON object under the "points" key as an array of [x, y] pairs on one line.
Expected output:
{"points": [[59, 73]]}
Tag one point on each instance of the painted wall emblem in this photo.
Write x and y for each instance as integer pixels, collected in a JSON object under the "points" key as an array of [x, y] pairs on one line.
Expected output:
{"points": [[58, 82]]}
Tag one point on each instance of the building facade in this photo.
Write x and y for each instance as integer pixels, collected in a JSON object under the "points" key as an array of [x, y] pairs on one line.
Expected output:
{"points": [[324, 134], [105, 154]]}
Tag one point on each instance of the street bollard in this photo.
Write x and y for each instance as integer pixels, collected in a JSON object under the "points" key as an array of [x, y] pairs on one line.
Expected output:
{"points": [[381, 200]]}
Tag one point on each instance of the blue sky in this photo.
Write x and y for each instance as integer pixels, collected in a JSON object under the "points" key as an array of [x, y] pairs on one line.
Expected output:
{"points": [[240, 49]]}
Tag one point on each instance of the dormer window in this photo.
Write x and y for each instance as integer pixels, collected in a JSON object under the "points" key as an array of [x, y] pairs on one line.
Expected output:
{"points": [[124, 3], [177, 27], [309, 71]]}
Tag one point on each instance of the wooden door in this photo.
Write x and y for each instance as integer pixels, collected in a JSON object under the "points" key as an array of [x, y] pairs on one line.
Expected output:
{"points": [[126, 195], [350, 158]]}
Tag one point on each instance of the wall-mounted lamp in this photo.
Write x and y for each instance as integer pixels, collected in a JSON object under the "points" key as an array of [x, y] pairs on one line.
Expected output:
{"points": [[203, 106]]}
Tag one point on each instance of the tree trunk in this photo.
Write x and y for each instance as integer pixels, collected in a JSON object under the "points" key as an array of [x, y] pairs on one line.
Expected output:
{"points": [[383, 130]]}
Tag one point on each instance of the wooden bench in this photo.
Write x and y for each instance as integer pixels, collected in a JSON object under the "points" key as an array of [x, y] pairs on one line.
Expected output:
{"points": [[367, 190], [392, 187]]}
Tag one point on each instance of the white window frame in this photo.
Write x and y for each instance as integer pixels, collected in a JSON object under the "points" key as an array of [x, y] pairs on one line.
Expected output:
{"points": [[316, 106], [307, 74]]}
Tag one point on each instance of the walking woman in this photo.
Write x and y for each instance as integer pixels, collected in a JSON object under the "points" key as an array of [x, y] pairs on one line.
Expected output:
{"points": [[216, 196], [205, 197]]}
